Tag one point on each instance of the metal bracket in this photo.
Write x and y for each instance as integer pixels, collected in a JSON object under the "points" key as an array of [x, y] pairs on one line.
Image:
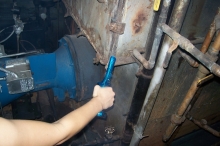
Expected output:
{"points": [[169, 54], [117, 27], [23, 82]]}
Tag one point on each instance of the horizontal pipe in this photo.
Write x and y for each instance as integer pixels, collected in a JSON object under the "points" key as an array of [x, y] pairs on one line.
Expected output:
{"points": [[22, 53], [203, 124], [202, 72], [189, 47], [206, 43]]}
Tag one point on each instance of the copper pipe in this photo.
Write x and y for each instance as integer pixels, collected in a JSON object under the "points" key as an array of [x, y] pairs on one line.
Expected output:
{"points": [[203, 124], [189, 47], [208, 38], [181, 110], [178, 117], [216, 44], [205, 44]]}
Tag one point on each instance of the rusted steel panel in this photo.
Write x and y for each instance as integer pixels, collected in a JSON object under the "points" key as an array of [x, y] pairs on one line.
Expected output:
{"points": [[138, 16], [96, 20], [93, 19]]}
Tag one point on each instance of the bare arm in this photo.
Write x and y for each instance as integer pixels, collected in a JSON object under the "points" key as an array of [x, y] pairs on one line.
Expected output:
{"points": [[27, 132]]}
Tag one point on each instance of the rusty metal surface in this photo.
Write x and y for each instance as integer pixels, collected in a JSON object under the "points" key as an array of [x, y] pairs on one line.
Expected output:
{"points": [[178, 78], [97, 22], [141, 58], [138, 16], [189, 47], [202, 72], [203, 124], [206, 43], [92, 18], [123, 83]]}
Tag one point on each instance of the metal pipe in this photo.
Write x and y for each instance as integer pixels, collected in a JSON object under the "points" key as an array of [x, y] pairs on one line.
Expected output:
{"points": [[189, 47], [9, 72], [158, 34], [140, 58], [7, 37], [203, 124], [178, 117], [205, 44], [22, 53], [176, 20]]}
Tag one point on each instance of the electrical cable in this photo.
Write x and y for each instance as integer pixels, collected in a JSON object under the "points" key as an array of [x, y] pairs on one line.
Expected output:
{"points": [[28, 43], [18, 43], [7, 37], [5, 28]]}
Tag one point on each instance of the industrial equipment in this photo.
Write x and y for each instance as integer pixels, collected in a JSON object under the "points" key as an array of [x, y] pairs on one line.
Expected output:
{"points": [[63, 71]]}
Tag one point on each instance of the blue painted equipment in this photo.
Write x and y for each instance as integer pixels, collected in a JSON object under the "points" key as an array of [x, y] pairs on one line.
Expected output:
{"points": [[106, 82], [69, 70]]}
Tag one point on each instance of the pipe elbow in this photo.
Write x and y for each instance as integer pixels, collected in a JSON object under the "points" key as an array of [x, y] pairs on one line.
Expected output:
{"points": [[142, 60]]}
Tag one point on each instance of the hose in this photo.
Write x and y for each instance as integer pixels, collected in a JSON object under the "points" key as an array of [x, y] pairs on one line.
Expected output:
{"points": [[28, 43], [7, 37]]}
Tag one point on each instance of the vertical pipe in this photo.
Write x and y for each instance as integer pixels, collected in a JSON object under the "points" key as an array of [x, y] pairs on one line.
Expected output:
{"points": [[176, 20], [179, 115]]}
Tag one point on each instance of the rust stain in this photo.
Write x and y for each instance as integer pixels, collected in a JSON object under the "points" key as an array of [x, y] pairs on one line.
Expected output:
{"points": [[138, 22], [140, 18]]}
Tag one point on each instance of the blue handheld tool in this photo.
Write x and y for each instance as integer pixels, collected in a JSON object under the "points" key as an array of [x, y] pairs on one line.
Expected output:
{"points": [[106, 82]]}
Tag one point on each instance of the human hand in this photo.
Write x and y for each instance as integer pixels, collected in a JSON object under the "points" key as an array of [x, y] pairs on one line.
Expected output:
{"points": [[104, 95]]}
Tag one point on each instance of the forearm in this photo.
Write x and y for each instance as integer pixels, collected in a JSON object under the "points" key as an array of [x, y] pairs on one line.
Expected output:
{"points": [[27, 132], [73, 122], [24, 132]]}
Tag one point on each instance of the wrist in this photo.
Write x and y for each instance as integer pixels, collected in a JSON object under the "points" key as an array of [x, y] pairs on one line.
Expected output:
{"points": [[97, 103]]}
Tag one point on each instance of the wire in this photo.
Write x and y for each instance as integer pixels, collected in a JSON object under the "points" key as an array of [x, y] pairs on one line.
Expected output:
{"points": [[28, 43], [18, 43], [9, 72], [7, 37], [5, 28]]}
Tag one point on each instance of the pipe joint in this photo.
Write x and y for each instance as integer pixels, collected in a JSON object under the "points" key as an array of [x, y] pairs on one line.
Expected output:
{"points": [[215, 69], [177, 120], [142, 60], [203, 71]]}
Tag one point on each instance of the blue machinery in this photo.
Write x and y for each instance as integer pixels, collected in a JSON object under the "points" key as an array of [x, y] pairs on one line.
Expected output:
{"points": [[69, 70]]}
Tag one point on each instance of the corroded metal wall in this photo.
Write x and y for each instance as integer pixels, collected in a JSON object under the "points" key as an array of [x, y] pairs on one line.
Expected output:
{"points": [[178, 79], [95, 20]]}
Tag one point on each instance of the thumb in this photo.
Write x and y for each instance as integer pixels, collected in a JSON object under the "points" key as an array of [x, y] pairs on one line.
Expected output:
{"points": [[95, 91]]}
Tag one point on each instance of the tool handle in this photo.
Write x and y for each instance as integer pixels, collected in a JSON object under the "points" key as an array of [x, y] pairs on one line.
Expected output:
{"points": [[106, 82]]}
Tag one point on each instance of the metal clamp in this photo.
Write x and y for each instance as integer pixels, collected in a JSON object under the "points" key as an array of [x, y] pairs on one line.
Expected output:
{"points": [[117, 27], [23, 81]]}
